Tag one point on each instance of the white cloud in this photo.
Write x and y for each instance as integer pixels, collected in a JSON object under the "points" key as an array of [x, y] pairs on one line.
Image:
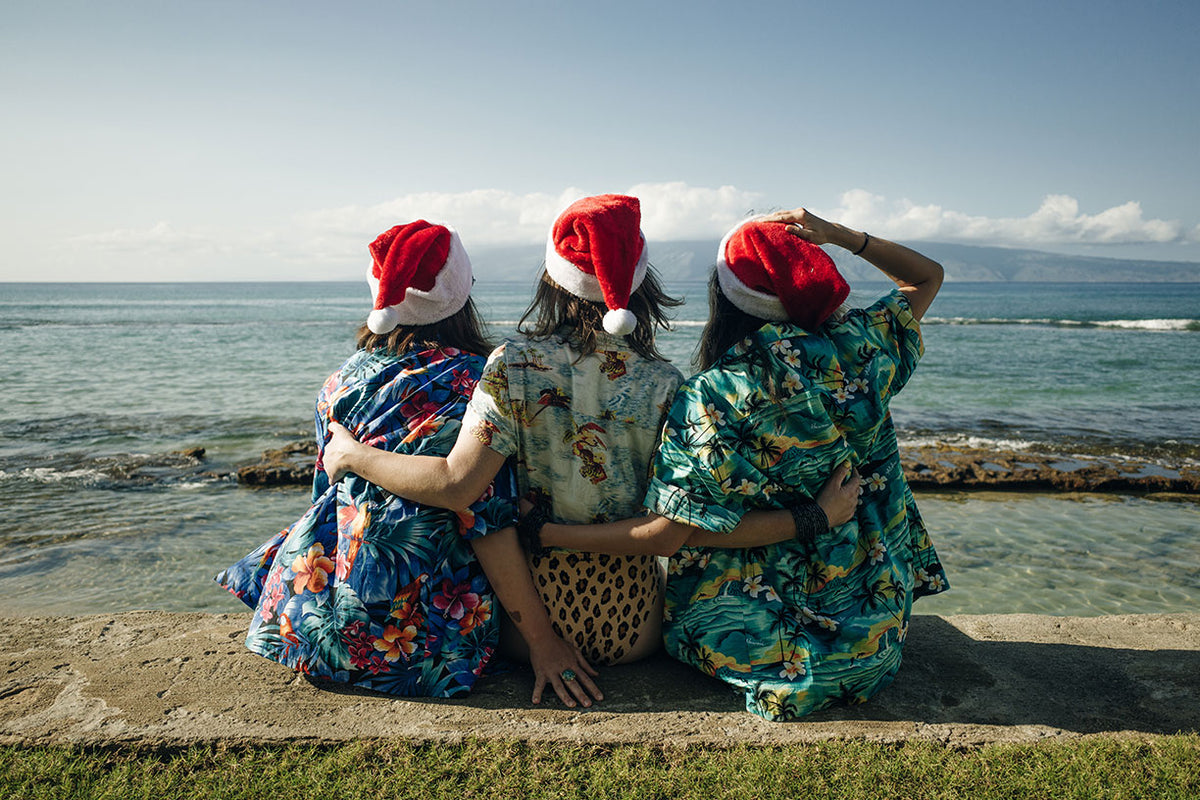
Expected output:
{"points": [[1057, 221], [332, 243], [482, 216], [161, 237], [670, 212], [676, 211]]}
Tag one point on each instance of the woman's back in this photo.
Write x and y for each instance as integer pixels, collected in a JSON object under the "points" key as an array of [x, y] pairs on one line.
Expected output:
{"points": [[583, 431]]}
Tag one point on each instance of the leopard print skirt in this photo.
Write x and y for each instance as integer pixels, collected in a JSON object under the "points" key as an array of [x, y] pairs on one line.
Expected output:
{"points": [[610, 607]]}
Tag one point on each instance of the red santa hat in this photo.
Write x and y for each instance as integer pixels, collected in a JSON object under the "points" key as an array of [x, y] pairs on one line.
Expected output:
{"points": [[777, 276], [419, 274], [596, 250]]}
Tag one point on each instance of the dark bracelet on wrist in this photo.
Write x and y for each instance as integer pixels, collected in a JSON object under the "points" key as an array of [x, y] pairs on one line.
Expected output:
{"points": [[866, 241], [529, 531], [810, 521]]}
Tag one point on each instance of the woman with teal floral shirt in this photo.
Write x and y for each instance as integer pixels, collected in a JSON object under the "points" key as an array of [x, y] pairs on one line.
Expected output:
{"points": [[793, 387]]}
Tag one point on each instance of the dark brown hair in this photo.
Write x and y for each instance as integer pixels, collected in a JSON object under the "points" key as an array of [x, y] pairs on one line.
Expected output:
{"points": [[727, 325], [463, 330], [553, 307]]}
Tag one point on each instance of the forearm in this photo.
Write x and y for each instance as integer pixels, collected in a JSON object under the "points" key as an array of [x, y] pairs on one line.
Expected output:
{"points": [[660, 536], [422, 479], [504, 563], [756, 529], [452, 482], [918, 276], [650, 535]]}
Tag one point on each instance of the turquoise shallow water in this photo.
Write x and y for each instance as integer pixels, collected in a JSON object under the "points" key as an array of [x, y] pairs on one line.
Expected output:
{"points": [[98, 379]]}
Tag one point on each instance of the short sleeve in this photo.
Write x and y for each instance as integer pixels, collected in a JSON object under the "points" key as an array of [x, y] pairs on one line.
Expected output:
{"points": [[489, 416], [890, 326], [692, 478]]}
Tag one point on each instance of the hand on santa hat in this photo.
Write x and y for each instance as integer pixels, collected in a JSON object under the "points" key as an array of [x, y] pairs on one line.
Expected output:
{"points": [[811, 228]]}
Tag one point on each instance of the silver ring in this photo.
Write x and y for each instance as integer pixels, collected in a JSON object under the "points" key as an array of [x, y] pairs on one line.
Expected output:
{"points": [[568, 675]]}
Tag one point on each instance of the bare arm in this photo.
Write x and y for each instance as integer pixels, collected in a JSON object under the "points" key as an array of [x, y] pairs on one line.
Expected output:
{"points": [[918, 277], [655, 535], [452, 482], [504, 564]]}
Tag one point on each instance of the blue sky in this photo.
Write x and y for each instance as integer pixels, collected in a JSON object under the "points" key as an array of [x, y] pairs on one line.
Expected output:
{"points": [[274, 140]]}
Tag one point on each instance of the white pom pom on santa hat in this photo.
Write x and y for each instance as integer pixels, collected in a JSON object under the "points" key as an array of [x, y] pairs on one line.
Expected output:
{"points": [[620, 321], [383, 320]]}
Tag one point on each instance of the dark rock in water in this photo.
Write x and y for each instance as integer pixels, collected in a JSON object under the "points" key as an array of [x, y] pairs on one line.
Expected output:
{"points": [[290, 465], [965, 469], [930, 468], [139, 469]]}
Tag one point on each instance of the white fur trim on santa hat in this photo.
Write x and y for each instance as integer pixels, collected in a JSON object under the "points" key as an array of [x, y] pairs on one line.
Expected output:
{"points": [[580, 283], [449, 293], [760, 304]]}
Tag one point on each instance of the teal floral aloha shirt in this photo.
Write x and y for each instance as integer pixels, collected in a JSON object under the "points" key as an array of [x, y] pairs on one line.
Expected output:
{"points": [[796, 629], [368, 588]]}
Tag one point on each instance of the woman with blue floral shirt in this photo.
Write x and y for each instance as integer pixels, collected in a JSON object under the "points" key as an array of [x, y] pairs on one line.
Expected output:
{"points": [[368, 588]]}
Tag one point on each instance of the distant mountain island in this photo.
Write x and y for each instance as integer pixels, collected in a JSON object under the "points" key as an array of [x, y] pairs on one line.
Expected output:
{"points": [[692, 260]]}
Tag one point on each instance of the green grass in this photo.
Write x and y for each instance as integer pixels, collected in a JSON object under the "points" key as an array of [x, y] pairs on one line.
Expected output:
{"points": [[1159, 767]]}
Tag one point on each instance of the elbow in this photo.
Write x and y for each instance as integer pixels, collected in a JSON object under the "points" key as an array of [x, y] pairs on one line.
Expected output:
{"points": [[459, 498], [669, 537], [665, 549], [937, 274]]}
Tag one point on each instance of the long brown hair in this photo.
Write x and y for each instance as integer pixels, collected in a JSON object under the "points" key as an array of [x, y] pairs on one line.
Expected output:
{"points": [[463, 330], [727, 325], [553, 307]]}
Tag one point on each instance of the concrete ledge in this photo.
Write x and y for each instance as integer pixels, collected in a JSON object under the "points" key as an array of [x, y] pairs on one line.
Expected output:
{"points": [[171, 679]]}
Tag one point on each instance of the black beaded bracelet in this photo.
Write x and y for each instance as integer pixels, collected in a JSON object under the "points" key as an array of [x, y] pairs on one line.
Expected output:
{"points": [[529, 531], [866, 241], [810, 521]]}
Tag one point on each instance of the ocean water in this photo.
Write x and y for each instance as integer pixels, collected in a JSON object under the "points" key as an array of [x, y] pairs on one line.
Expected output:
{"points": [[103, 383]]}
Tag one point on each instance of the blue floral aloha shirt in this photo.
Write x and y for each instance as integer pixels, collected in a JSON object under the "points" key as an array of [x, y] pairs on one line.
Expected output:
{"points": [[796, 629], [368, 588]]}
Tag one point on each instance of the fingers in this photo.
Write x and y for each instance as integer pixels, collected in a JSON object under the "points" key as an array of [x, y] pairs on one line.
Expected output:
{"points": [[841, 472], [584, 678], [578, 691], [796, 215], [588, 668], [559, 686], [802, 233]]}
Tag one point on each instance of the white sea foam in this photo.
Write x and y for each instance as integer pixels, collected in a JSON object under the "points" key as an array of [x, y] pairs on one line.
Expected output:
{"points": [[967, 441], [1150, 324], [51, 475], [1124, 324]]}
